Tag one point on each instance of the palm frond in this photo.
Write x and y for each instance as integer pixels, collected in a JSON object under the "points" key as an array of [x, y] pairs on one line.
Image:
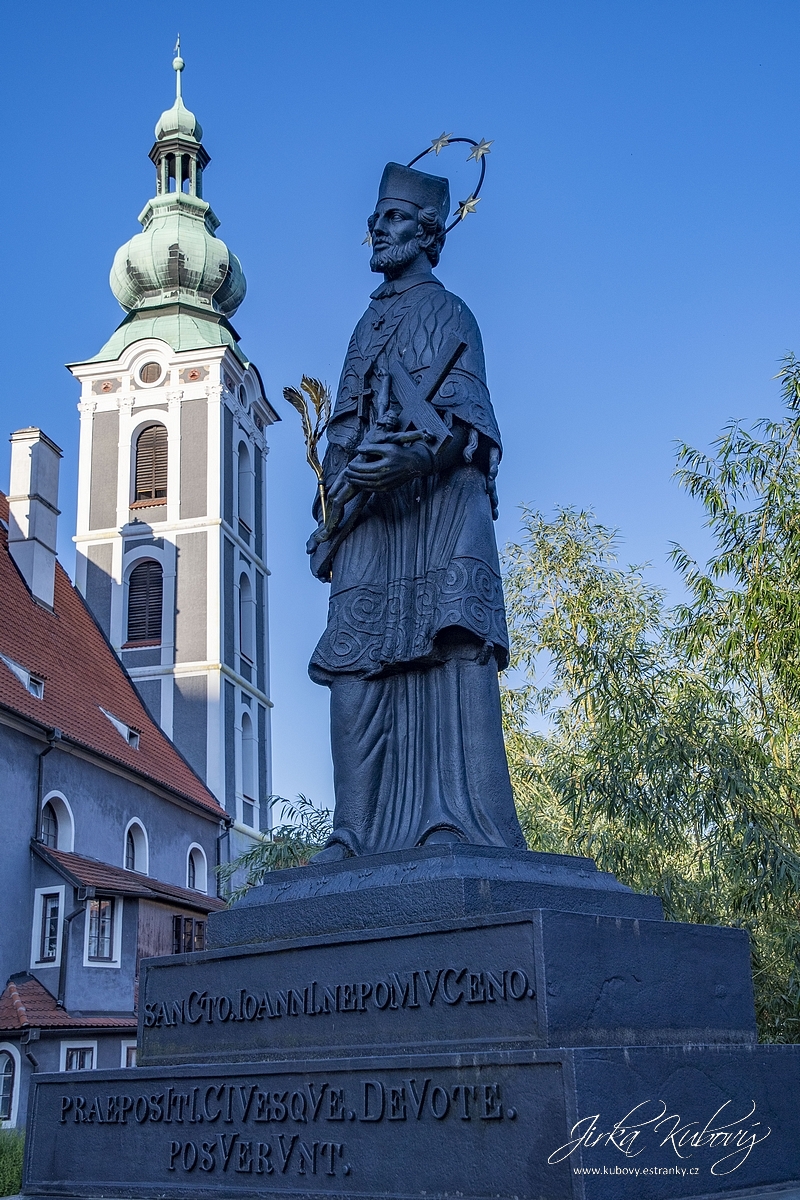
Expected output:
{"points": [[304, 830]]}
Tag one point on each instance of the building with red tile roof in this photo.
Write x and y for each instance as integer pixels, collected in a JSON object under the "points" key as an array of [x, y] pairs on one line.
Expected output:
{"points": [[26, 1005], [110, 837], [83, 681]]}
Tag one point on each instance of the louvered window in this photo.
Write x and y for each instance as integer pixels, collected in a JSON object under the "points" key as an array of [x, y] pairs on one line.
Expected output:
{"points": [[151, 464], [145, 591]]}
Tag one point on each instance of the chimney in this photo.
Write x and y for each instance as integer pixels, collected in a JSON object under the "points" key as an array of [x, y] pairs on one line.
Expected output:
{"points": [[32, 511]]}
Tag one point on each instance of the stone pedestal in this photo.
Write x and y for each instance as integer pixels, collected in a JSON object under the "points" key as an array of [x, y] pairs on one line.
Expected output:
{"points": [[444, 1022]]}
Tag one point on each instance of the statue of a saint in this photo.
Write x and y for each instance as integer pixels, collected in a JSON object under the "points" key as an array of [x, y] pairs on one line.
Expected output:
{"points": [[416, 627]]}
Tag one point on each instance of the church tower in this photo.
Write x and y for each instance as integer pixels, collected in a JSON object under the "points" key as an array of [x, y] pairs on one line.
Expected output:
{"points": [[171, 531]]}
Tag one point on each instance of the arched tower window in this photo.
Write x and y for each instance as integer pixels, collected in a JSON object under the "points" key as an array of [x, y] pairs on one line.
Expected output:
{"points": [[151, 465], [130, 852], [145, 595], [246, 619], [246, 486], [49, 826], [249, 771], [6, 1085]]}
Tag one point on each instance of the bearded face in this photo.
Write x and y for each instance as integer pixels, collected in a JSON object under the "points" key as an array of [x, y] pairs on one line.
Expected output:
{"points": [[397, 239], [390, 259]]}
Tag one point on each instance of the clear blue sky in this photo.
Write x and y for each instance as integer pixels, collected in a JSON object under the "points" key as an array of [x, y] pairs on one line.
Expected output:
{"points": [[633, 265]]}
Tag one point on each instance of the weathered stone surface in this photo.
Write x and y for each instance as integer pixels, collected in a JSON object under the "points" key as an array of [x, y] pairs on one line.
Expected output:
{"points": [[576, 1124], [438, 882], [521, 1055], [538, 979]]}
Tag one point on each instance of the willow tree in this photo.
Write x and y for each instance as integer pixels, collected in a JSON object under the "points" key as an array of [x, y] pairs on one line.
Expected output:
{"points": [[665, 743]]}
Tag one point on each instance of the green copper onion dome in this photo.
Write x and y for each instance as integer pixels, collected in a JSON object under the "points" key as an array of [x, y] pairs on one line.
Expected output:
{"points": [[177, 259], [178, 119]]}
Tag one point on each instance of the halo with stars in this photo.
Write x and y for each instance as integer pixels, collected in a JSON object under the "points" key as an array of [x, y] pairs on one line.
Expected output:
{"points": [[478, 152]]}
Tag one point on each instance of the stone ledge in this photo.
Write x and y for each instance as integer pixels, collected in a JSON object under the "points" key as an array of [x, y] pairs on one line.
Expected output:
{"points": [[428, 883]]}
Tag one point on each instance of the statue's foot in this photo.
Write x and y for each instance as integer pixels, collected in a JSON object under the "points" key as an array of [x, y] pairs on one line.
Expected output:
{"points": [[336, 852]]}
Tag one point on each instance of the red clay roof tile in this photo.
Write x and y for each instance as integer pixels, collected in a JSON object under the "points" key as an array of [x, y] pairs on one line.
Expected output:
{"points": [[88, 872], [25, 1004]]}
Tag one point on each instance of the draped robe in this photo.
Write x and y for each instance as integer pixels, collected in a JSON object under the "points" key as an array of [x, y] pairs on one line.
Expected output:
{"points": [[416, 626]]}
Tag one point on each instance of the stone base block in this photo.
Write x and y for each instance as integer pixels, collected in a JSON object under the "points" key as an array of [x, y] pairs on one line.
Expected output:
{"points": [[505, 982], [633, 1123]]}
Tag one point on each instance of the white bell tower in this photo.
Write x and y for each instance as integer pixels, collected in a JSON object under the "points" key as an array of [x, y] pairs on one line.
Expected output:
{"points": [[171, 533]]}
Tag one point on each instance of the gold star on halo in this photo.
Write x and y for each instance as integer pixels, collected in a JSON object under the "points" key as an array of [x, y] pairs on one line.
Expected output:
{"points": [[439, 143], [478, 151], [465, 207], [367, 240]]}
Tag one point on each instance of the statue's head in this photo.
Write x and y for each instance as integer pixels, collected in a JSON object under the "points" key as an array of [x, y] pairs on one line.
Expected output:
{"points": [[409, 219]]}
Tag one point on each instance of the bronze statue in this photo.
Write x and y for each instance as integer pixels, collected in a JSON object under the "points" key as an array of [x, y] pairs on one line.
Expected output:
{"points": [[416, 627]]}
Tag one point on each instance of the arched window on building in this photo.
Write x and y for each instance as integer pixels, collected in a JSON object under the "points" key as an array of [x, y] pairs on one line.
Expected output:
{"points": [[6, 1085], [151, 466], [246, 486], [249, 771], [145, 599], [49, 826], [196, 870], [247, 620], [56, 826], [136, 848]]}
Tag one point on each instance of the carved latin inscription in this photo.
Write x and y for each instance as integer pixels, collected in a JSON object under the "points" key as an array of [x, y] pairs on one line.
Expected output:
{"points": [[474, 1126], [412, 990], [312, 1109]]}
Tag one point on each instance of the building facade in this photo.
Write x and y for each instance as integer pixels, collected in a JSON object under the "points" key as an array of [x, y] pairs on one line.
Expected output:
{"points": [[110, 838], [134, 707], [171, 528]]}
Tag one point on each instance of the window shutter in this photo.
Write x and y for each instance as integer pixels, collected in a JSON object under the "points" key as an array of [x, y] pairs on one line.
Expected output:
{"points": [[151, 464], [145, 591]]}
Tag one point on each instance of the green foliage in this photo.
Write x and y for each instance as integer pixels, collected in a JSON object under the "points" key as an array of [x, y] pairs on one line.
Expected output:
{"points": [[12, 1144], [304, 830], [637, 741], [743, 618]]}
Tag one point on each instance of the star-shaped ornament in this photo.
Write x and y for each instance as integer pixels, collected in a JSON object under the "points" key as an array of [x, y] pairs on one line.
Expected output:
{"points": [[439, 143], [478, 151], [465, 207], [367, 240]]}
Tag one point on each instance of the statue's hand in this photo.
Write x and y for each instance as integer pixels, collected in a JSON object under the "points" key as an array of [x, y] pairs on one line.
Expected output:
{"points": [[339, 492], [389, 463]]}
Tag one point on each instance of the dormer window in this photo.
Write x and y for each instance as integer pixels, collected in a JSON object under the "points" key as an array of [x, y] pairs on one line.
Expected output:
{"points": [[32, 683], [131, 735]]}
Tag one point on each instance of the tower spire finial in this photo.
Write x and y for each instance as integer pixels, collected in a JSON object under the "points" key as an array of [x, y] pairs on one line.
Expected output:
{"points": [[177, 65]]}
